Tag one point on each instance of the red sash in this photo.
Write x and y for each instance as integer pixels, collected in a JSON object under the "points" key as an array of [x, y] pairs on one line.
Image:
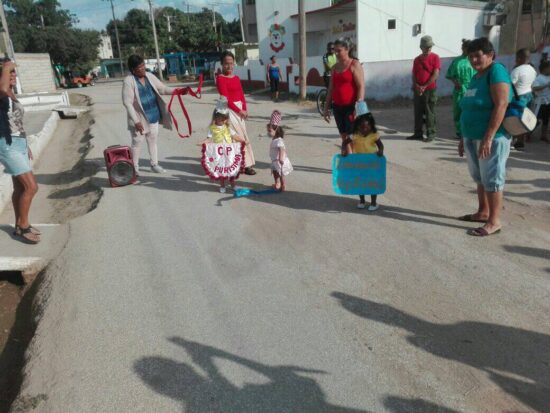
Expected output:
{"points": [[179, 93]]}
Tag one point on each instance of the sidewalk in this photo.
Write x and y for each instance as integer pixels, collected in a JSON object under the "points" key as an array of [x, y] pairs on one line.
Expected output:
{"points": [[16, 256]]}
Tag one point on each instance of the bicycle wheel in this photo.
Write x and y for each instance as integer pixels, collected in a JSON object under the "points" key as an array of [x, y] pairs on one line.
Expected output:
{"points": [[321, 101]]}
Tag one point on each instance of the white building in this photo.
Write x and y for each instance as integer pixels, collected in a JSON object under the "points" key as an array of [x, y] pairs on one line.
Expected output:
{"points": [[105, 48], [274, 25], [386, 34]]}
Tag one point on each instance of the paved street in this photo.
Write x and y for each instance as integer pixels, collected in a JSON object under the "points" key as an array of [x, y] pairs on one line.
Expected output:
{"points": [[171, 297]]}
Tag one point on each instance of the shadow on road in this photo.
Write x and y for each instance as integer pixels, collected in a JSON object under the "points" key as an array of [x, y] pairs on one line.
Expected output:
{"points": [[338, 204], [517, 360], [528, 251], [204, 389], [402, 405]]}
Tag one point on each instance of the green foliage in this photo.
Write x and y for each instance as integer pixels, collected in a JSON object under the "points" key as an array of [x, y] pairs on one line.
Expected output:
{"points": [[190, 33], [74, 48]]}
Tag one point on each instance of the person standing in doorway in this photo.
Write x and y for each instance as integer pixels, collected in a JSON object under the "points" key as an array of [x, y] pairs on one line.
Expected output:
{"points": [[329, 60], [141, 96], [460, 73], [523, 76], [425, 73], [273, 77]]}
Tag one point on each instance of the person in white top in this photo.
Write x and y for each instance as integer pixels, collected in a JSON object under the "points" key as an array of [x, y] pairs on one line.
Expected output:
{"points": [[541, 87], [523, 76]]}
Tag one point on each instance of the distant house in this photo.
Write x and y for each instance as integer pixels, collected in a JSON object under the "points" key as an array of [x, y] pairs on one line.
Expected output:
{"points": [[105, 48]]}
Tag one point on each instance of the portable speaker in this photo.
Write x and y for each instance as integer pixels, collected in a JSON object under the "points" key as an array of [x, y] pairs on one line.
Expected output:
{"points": [[120, 167]]}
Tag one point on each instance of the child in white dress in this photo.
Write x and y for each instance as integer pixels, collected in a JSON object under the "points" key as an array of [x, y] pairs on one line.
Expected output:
{"points": [[219, 131], [280, 163]]}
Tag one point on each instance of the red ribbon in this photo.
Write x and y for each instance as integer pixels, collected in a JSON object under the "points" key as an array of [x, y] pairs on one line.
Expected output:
{"points": [[179, 93]]}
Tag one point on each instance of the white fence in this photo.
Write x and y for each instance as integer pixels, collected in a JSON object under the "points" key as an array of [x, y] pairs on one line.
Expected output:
{"points": [[384, 80]]}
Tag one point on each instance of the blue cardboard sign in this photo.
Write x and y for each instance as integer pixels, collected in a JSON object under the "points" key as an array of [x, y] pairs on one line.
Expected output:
{"points": [[359, 174]]}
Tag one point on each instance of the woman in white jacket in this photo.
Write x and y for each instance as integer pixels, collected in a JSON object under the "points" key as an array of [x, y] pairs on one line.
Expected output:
{"points": [[141, 95]]}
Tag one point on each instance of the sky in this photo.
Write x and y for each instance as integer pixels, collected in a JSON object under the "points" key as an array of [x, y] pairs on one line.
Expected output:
{"points": [[95, 14]]}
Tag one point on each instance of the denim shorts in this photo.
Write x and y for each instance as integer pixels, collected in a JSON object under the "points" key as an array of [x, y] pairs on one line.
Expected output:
{"points": [[489, 172], [15, 157]]}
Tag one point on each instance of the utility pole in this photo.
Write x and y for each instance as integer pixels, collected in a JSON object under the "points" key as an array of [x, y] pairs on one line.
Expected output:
{"points": [[187, 12], [6, 33], [117, 40], [9, 45], [155, 39], [302, 34], [215, 28], [241, 21], [168, 21]]}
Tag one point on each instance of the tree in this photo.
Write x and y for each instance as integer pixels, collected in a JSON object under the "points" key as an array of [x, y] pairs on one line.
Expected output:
{"points": [[190, 33], [43, 27]]}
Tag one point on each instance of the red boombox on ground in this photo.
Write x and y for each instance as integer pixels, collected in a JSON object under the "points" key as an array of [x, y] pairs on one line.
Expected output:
{"points": [[120, 167]]}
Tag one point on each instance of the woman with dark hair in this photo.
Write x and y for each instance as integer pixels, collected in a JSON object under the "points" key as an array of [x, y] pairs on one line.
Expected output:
{"points": [[141, 96], [346, 87], [15, 155], [460, 72], [484, 140], [273, 77], [229, 85]]}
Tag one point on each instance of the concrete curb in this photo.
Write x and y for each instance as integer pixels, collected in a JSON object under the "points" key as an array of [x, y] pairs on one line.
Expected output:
{"points": [[37, 143]]}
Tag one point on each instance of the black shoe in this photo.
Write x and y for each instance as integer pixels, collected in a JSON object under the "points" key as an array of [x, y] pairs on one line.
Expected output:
{"points": [[519, 146], [415, 138], [249, 171]]}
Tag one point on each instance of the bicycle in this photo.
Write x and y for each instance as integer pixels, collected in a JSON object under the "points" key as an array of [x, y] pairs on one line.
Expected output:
{"points": [[322, 100]]}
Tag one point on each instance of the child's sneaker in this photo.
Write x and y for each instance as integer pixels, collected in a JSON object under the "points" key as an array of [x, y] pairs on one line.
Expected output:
{"points": [[373, 207], [222, 190], [361, 205]]}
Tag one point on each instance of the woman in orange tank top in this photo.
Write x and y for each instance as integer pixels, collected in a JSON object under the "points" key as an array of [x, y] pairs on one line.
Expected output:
{"points": [[346, 87]]}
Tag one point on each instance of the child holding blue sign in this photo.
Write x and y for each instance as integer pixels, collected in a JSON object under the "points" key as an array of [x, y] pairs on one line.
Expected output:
{"points": [[365, 140]]}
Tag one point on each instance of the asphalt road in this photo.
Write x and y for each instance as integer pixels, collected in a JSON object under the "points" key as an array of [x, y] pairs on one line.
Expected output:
{"points": [[171, 297]]}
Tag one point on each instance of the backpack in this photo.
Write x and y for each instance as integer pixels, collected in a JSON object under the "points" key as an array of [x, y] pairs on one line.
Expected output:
{"points": [[518, 119]]}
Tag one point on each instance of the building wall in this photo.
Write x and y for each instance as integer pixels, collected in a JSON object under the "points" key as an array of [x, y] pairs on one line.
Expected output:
{"points": [[376, 42], [35, 72], [525, 31], [266, 17], [249, 21], [383, 80], [323, 28], [466, 24]]}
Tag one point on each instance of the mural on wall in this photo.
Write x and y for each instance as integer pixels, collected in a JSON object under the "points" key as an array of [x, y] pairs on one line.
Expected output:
{"points": [[276, 33], [346, 30]]}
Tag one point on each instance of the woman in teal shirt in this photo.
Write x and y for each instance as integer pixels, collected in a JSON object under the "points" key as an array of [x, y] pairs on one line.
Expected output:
{"points": [[484, 140]]}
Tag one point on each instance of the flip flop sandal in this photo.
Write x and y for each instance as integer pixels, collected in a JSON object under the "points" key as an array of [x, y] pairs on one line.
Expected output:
{"points": [[482, 232], [34, 230], [470, 218], [21, 232]]}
